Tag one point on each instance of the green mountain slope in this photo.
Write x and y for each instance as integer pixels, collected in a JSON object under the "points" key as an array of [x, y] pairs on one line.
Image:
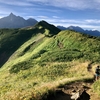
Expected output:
{"points": [[39, 57], [12, 39]]}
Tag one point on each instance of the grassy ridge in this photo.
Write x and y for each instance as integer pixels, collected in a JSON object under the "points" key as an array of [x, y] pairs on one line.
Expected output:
{"points": [[41, 61], [12, 39]]}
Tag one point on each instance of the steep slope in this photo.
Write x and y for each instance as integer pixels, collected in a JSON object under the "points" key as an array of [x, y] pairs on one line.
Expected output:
{"points": [[50, 30], [12, 39], [44, 59], [13, 21]]}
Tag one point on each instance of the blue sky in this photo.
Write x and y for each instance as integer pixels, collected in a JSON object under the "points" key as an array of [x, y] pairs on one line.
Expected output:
{"points": [[83, 13]]}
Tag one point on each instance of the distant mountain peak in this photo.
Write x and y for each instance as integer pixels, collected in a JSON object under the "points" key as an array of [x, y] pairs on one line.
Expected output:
{"points": [[11, 14], [93, 32], [13, 21]]}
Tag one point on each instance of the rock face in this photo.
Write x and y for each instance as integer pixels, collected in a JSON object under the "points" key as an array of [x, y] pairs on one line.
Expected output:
{"points": [[13, 21]]}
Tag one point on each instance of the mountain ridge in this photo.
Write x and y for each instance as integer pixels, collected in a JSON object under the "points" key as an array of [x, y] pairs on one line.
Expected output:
{"points": [[16, 37], [13, 21], [79, 29]]}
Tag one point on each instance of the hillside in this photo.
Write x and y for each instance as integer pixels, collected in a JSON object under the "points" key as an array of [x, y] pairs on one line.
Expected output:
{"points": [[35, 60], [12, 39]]}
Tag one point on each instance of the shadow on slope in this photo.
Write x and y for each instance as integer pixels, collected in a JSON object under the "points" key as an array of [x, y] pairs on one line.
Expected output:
{"points": [[12, 39], [79, 90]]}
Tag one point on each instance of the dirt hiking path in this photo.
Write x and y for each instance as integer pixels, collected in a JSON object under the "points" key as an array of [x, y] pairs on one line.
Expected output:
{"points": [[83, 88], [77, 90]]}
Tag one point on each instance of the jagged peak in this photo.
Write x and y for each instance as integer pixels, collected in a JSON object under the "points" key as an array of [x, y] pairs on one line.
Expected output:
{"points": [[11, 14]]}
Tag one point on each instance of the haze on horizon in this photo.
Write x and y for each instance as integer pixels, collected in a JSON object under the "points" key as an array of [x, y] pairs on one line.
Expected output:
{"points": [[83, 13]]}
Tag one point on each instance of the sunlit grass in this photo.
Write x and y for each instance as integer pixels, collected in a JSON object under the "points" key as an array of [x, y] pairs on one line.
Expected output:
{"points": [[30, 73], [15, 58], [34, 82]]}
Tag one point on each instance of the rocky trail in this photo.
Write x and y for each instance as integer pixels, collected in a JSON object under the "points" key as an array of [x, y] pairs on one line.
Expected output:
{"points": [[78, 90]]}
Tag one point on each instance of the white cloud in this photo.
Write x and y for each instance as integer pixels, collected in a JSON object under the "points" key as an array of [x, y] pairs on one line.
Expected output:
{"points": [[93, 21], [71, 4], [78, 4], [85, 24], [55, 17], [68, 4], [42, 17], [16, 2]]}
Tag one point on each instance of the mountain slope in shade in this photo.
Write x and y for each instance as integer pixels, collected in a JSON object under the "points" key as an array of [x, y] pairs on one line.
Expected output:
{"points": [[13, 21], [12, 39], [49, 28]]}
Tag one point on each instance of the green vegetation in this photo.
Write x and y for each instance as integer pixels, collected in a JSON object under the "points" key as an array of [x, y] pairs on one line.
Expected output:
{"points": [[37, 59], [61, 56], [96, 87]]}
